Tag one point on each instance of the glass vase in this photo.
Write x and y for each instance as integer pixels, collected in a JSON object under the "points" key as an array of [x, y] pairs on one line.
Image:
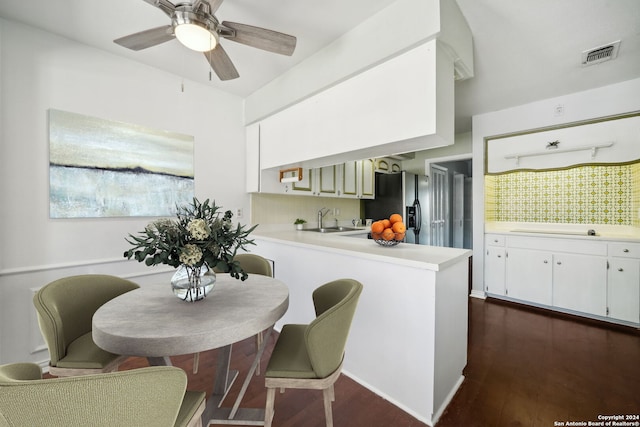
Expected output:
{"points": [[192, 283]]}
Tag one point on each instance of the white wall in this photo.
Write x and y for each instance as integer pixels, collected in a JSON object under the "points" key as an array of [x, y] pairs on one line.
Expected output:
{"points": [[38, 71], [601, 102], [401, 26]]}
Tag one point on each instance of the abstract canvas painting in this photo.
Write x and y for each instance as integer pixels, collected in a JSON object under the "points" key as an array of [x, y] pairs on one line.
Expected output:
{"points": [[102, 168]]}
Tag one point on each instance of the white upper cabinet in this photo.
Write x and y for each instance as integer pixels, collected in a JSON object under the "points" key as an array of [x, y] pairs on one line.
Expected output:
{"points": [[401, 105], [252, 158], [317, 182], [605, 141], [357, 179]]}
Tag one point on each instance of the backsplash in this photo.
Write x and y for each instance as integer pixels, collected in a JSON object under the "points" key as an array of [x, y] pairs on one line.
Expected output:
{"points": [[635, 194], [284, 209], [581, 195]]}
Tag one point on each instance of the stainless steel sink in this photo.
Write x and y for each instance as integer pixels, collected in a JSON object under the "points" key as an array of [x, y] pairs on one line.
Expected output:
{"points": [[330, 229]]}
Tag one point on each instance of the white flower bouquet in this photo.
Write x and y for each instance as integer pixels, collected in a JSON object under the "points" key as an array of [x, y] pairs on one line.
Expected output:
{"points": [[199, 235]]}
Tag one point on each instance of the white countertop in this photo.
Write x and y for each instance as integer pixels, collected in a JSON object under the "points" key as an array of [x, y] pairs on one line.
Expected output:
{"points": [[573, 231], [418, 256]]}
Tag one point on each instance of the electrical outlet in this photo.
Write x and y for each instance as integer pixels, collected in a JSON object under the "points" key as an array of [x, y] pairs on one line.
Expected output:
{"points": [[336, 211], [239, 213]]}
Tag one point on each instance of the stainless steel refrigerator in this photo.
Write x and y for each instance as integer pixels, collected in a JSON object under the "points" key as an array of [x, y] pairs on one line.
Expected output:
{"points": [[404, 193]]}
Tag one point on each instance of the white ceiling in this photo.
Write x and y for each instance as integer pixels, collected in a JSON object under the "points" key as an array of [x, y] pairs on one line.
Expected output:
{"points": [[525, 50]]}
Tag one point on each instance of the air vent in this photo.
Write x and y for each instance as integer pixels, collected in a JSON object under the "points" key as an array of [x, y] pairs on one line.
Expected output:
{"points": [[600, 54]]}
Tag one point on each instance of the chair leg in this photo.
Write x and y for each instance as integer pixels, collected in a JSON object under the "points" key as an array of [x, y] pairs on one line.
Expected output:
{"points": [[328, 398], [268, 411], [259, 339], [196, 362]]}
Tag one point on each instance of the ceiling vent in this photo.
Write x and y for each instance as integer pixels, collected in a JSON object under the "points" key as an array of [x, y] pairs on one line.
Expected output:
{"points": [[600, 54]]}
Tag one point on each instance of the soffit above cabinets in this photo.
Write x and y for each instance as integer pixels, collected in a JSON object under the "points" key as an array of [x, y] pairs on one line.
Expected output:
{"points": [[608, 140]]}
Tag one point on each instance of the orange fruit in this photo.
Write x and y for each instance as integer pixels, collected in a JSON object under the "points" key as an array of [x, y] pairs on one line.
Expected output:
{"points": [[395, 218], [400, 236], [399, 227], [388, 234], [386, 222], [377, 227]]}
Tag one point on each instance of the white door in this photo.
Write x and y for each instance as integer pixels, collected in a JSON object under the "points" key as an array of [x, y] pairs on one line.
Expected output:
{"points": [[439, 206], [458, 210]]}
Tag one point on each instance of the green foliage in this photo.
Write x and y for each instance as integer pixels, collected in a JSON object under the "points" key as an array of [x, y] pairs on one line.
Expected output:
{"points": [[300, 221], [199, 235]]}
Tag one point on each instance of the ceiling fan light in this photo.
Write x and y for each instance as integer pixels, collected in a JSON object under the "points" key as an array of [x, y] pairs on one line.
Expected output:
{"points": [[196, 37]]}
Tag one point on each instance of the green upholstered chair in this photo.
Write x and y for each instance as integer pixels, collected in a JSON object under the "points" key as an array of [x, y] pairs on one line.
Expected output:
{"points": [[255, 264], [65, 310], [252, 264], [310, 356], [153, 396]]}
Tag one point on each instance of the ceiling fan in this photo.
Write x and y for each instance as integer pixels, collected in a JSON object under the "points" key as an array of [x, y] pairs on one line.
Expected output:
{"points": [[195, 26]]}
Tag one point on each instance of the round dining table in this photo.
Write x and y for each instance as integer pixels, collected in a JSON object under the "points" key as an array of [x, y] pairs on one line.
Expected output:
{"points": [[151, 322]]}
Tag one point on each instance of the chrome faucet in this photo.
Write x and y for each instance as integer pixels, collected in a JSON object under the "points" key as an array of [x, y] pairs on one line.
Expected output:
{"points": [[321, 214]]}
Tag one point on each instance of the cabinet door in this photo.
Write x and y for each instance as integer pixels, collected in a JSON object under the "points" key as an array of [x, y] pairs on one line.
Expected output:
{"points": [[623, 289], [304, 186], [494, 270], [252, 145], [528, 275], [367, 181], [580, 283], [350, 179], [326, 181]]}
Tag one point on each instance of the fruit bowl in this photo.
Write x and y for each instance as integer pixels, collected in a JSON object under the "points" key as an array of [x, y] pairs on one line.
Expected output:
{"points": [[388, 232], [398, 238]]}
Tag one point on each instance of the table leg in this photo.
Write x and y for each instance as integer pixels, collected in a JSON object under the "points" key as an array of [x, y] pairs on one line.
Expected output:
{"points": [[224, 376], [213, 413]]}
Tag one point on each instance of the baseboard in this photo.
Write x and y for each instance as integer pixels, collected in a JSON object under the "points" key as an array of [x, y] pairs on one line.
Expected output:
{"points": [[560, 313], [478, 294], [447, 400]]}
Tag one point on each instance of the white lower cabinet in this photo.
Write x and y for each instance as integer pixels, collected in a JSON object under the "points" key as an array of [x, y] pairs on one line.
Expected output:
{"points": [[580, 283], [494, 266], [623, 282], [595, 278], [528, 275], [623, 291]]}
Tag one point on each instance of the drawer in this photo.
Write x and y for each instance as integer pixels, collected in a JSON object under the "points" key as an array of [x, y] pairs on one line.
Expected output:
{"points": [[558, 245], [626, 250], [494, 239]]}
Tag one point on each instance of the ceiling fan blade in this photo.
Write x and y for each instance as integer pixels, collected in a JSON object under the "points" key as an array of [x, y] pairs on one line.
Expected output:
{"points": [[261, 38], [147, 38], [221, 63]]}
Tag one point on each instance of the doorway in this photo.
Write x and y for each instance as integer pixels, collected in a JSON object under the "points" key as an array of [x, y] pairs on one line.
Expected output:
{"points": [[451, 203]]}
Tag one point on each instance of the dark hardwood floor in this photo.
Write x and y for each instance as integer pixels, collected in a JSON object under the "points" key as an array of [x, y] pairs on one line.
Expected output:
{"points": [[526, 368]]}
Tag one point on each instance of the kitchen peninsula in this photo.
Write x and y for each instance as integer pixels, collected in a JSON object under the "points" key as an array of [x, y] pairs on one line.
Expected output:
{"points": [[408, 340]]}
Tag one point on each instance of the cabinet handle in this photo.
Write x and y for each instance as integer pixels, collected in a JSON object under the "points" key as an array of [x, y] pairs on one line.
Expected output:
{"points": [[620, 269], [499, 256], [495, 241], [559, 263], [545, 261], [625, 250]]}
